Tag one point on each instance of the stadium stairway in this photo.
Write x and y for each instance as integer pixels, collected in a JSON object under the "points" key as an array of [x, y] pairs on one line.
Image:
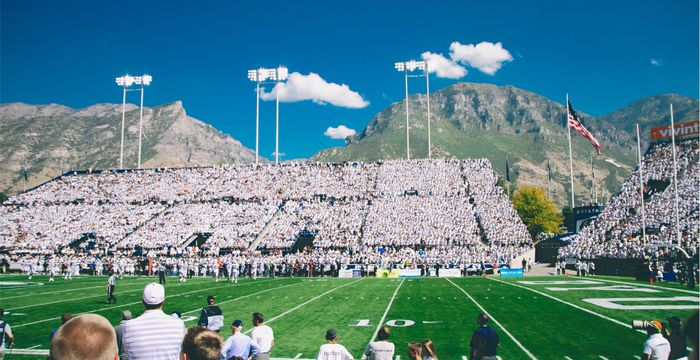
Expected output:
{"points": [[266, 230]]}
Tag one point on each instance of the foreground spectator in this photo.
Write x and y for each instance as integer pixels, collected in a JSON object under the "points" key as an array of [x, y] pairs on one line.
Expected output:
{"points": [[64, 319], [201, 343], [381, 349], [5, 332], [415, 351], [262, 336], [656, 347], [211, 317], [428, 350], [119, 329], [484, 343], [677, 339], [331, 350], [153, 335], [239, 346], [691, 331], [88, 336]]}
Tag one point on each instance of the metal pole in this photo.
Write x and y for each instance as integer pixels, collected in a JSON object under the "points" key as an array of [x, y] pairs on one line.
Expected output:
{"points": [[140, 125], [427, 91], [641, 185], [257, 119], [408, 151], [571, 161], [121, 152], [277, 124], [675, 179]]}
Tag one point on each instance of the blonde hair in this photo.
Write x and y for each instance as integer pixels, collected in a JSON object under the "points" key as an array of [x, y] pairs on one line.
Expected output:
{"points": [[201, 343], [88, 336]]}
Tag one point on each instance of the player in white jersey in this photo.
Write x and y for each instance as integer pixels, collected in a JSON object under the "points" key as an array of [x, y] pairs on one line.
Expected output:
{"points": [[233, 272], [215, 270], [182, 267], [53, 269]]}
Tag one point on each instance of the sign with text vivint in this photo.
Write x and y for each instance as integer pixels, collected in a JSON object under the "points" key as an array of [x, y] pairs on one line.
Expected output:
{"points": [[683, 130]]}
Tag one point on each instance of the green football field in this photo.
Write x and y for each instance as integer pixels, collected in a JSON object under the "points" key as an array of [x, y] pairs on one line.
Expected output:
{"points": [[535, 317]]}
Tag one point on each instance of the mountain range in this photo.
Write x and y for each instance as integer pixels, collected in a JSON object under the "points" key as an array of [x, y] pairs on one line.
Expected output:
{"points": [[49, 139], [468, 120]]}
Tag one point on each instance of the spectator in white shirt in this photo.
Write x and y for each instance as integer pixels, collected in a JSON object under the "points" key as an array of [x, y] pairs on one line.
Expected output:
{"points": [[331, 350], [262, 336], [656, 347], [153, 335]]}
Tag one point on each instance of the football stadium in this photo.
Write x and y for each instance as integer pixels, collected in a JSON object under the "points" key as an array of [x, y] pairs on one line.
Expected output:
{"points": [[465, 219]]}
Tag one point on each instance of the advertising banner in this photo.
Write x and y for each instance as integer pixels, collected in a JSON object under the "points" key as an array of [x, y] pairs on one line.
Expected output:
{"points": [[409, 273], [683, 130], [511, 272], [449, 273]]}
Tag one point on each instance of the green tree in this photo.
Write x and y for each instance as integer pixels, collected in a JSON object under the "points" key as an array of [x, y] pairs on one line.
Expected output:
{"points": [[538, 211], [3, 196], [504, 185]]}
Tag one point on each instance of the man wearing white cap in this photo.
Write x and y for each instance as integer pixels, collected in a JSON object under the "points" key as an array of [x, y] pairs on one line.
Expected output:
{"points": [[153, 335]]}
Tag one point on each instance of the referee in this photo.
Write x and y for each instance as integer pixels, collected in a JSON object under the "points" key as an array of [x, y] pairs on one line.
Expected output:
{"points": [[111, 283], [161, 273]]}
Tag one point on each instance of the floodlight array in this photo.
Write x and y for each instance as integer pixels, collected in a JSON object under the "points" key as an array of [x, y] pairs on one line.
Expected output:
{"points": [[128, 80], [411, 65], [260, 75]]}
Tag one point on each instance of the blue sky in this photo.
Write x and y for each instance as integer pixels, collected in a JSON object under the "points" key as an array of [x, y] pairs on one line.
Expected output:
{"points": [[600, 52]]}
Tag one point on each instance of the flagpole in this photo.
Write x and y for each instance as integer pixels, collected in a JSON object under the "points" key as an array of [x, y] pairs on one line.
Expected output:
{"points": [[549, 181], [675, 179], [641, 185], [592, 178], [571, 161]]}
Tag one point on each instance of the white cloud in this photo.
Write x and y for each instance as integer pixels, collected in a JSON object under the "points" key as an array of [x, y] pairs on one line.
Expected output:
{"points": [[340, 132], [313, 87], [656, 62], [443, 67], [485, 56]]}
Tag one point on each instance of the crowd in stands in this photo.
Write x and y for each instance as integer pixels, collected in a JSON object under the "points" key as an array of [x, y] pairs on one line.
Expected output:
{"points": [[617, 231], [438, 211]]}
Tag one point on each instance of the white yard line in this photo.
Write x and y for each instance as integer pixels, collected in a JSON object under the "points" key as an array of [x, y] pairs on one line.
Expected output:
{"points": [[246, 296], [306, 303], [603, 357], [529, 354], [139, 302], [647, 285], [568, 358], [140, 288], [56, 292], [386, 311], [568, 303]]}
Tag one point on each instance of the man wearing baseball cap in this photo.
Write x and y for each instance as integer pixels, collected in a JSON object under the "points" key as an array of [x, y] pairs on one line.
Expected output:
{"points": [[153, 335], [239, 346], [656, 347], [331, 350]]}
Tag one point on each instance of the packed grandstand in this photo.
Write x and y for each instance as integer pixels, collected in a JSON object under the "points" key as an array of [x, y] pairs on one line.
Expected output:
{"points": [[378, 215]]}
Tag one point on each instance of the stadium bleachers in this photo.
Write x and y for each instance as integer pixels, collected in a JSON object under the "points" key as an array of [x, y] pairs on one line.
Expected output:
{"points": [[410, 209]]}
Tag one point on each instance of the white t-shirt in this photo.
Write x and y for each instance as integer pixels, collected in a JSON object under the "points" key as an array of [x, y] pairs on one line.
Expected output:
{"points": [[333, 352], [657, 347], [263, 336]]}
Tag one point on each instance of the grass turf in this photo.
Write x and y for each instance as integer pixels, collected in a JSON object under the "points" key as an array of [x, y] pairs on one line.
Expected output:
{"points": [[534, 321]]}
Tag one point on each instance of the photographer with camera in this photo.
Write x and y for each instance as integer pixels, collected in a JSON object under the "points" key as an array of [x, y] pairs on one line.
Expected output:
{"points": [[656, 347]]}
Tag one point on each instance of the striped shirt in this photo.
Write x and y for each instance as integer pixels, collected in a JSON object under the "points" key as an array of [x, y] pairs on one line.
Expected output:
{"points": [[153, 335]]}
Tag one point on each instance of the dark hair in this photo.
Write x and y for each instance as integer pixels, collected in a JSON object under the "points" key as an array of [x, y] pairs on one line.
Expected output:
{"points": [[65, 317], [258, 318], [691, 330], [415, 350], [482, 319], [383, 333], [201, 343]]}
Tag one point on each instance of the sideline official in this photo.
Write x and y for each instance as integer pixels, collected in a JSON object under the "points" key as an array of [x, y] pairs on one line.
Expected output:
{"points": [[211, 316], [111, 283]]}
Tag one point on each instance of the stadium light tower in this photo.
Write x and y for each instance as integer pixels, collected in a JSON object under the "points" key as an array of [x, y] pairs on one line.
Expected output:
{"points": [[144, 81], [406, 67], [260, 76], [125, 82]]}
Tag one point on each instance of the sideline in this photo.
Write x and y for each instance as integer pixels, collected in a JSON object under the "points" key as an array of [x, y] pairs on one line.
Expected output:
{"points": [[647, 285]]}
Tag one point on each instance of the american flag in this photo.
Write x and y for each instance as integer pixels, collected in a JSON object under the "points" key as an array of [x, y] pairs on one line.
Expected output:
{"points": [[575, 124]]}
